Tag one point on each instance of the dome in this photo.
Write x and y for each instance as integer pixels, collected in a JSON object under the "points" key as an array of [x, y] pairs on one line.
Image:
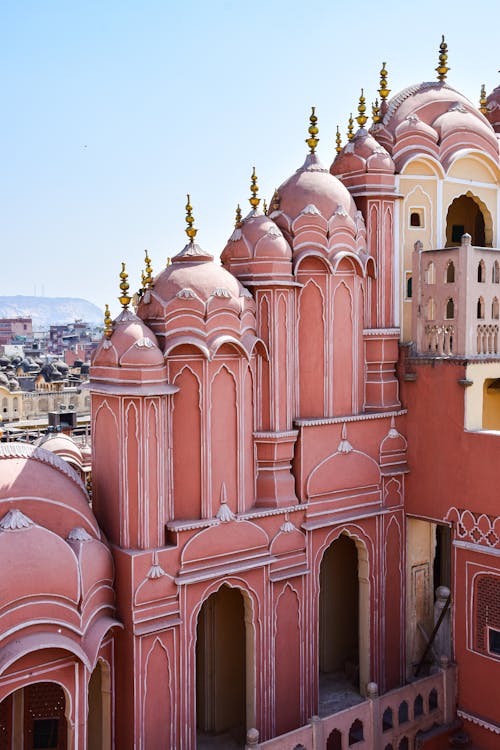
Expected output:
{"points": [[131, 344], [201, 276], [362, 154], [257, 247], [312, 184], [37, 560], [62, 445], [44, 487], [429, 101]]}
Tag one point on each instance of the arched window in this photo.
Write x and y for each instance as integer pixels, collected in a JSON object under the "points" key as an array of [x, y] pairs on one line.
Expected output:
{"points": [[480, 309], [431, 309], [481, 272], [494, 308], [430, 274], [418, 706], [416, 217], [403, 713], [387, 719], [450, 309], [433, 700], [495, 273], [356, 732], [450, 273], [409, 287]]}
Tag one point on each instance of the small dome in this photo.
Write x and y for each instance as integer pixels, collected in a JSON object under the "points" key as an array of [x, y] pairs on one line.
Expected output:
{"points": [[45, 487], [313, 185], [362, 154], [460, 118], [62, 445], [413, 124], [131, 344], [193, 271], [257, 237]]}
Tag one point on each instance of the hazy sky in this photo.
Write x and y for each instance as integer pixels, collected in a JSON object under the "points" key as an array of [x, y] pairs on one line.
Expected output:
{"points": [[114, 110]]}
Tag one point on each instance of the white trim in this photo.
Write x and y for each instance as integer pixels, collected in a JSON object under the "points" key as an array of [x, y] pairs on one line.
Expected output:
{"points": [[495, 728], [477, 548]]}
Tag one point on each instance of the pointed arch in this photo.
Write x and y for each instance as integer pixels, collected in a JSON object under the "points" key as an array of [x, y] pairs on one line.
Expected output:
{"points": [[157, 700], [224, 437], [311, 346], [187, 445]]}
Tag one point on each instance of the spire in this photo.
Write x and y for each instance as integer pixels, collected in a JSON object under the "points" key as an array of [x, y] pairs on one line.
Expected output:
{"points": [[237, 218], [108, 323], [190, 230], [361, 118], [483, 101], [254, 189], [313, 131], [442, 69], [376, 112], [383, 90], [350, 128], [338, 141], [264, 206], [124, 299], [148, 274]]}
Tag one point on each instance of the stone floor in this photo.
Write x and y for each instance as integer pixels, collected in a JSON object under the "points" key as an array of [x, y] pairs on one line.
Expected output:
{"points": [[336, 692], [231, 740]]}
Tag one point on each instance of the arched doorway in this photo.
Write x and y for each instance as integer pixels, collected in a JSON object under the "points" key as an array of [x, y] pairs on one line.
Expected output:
{"points": [[467, 214], [99, 708], [34, 717], [343, 624], [221, 668]]}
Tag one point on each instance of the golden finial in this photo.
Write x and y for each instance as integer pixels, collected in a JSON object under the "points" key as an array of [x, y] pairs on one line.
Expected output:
{"points": [[361, 118], [275, 202], [264, 206], [338, 140], [254, 189], [124, 299], [383, 90], [483, 101], [148, 275], [442, 69], [313, 131], [190, 230], [238, 222], [350, 128], [108, 323], [376, 112], [169, 262]]}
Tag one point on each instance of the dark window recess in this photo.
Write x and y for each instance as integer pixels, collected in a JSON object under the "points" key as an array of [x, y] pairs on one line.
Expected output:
{"points": [[409, 287], [494, 641], [45, 733], [415, 219], [457, 230]]}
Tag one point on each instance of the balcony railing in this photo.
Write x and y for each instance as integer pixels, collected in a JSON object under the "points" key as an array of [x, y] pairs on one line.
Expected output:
{"points": [[387, 722]]}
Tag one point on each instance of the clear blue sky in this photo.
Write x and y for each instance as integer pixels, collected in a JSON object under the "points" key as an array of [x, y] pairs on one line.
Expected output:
{"points": [[113, 110]]}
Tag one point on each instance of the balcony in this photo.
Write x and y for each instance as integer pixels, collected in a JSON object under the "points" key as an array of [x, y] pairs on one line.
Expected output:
{"points": [[388, 722]]}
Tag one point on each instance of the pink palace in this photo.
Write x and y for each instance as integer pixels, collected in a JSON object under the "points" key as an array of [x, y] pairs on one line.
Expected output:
{"points": [[292, 538]]}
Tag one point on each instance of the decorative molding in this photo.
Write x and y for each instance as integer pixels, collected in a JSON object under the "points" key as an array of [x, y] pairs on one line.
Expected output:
{"points": [[479, 529], [78, 534], [495, 728], [14, 520], [155, 571], [353, 418]]}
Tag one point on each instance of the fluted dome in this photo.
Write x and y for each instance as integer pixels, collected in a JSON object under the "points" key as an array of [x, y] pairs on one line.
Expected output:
{"points": [[313, 185], [45, 488], [62, 445], [362, 154], [257, 247], [196, 274], [439, 106], [131, 345]]}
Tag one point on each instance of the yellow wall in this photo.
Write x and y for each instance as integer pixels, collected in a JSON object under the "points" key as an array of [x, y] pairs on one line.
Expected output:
{"points": [[478, 373]]}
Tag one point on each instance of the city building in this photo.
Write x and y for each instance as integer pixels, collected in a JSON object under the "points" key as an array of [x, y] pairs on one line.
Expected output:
{"points": [[293, 539]]}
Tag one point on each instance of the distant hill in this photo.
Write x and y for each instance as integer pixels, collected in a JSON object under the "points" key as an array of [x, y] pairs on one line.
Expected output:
{"points": [[47, 311]]}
